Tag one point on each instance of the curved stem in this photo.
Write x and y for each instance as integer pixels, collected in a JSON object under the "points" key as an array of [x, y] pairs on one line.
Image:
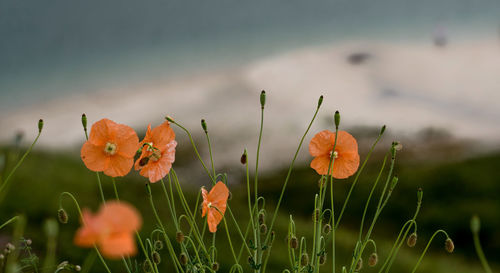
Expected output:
{"points": [[11, 220], [480, 253], [427, 247]]}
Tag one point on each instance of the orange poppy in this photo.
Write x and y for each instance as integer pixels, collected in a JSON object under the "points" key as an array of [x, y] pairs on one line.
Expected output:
{"points": [[111, 229], [110, 148], [214, 204], [346, 153], [158, 152]]}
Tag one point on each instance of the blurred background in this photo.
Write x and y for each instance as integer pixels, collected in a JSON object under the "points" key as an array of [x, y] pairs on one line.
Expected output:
{"points": [[429, 70]]}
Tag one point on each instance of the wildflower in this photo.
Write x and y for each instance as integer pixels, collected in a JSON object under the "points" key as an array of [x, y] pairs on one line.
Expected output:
{"points": [[111, 229], [110, 148], [158, 152], [345, 155], [214, 204]]}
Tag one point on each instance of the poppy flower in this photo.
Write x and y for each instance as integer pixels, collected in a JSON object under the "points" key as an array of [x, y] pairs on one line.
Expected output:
{"points": [[111, 229], [158, 152], [214, 204], [110, 148], [346, 154]]}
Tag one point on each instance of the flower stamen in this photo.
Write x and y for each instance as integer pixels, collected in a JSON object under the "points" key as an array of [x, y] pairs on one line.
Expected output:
{"points": [[110, 148]]}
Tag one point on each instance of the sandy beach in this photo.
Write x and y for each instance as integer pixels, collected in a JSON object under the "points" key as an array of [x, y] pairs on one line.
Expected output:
{"points": [[408, 86]]}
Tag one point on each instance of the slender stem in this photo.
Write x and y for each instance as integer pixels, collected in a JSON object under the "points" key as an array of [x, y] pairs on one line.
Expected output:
{"points": [[115, 189], [480, 253], [427, 247], [11, 220], [257, 155], [210, 152]]}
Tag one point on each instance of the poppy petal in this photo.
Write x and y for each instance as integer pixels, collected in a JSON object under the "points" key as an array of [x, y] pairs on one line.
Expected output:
{"points": [[213, 219], [118, 245], [162, 135], [87, 235], [345, 165], [94, 157], [119, 166], [204, 206], [320, 164], [126, 140], [321, 143], [99, 132], [345, 143], [120, 216]]}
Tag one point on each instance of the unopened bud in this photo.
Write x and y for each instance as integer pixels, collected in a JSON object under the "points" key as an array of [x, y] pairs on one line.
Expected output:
{"points": [[382, 130], [262, 218], [326, 229], [373, 260], [449, 245], [304, 259], [412, 240], [393, 150], [84, 122], [243, 159], [179, 236], [170, 119], [183, 258], [147, 267], [420, 195], [155, 256], [337, 119], [215, 266], [262, 98], [320, 101], [40, 125], [475, 224], [263, 229], [322, 259], [294, 243], [62, 216], [158, 245], [204, 125], [359, 265]]}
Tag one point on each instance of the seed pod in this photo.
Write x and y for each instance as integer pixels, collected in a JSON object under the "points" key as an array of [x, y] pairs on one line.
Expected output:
{"points": [[449, 245], [62, 216], [326, 229], [359, 266], [322, 259], [215, 266], [262, 218], [373, 260], [412, 240], [179, 236], [156, 257], [183, 258], [263, 229], [143, 161], [294, 243], [158, 245], [304, 259]]}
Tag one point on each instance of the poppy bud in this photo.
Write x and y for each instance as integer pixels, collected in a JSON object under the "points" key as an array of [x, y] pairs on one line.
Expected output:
{"points": [[156, 257], [382, 130], [373, 260], [143, 161], [322, 259], [449, 245], [420, 195], [337, 119], [243, 159], [262, 98], [170, 119], [262, 218], [304, 259], [78, 268], [40, 125], [320, 101], [179, 236], [62, 216], [215, 266], [326, 229], [263, 229], [475, 224], [359, 266], [412, 240], [294, 243], [147, 267], [158, 245], [183, 258], [204, 125], [84, 122]]}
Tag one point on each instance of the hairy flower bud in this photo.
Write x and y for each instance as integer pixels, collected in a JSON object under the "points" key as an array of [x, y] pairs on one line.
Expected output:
{"points": [[170, 119], [158, 245], [322, 259], [262, 218], [294, 243], [412, 240], [243, 159], [183, 258], [373, 260], [263, 229], [382, 130], [155, 256], [337, 119], [40, 125], [320, 100], [147, 267], [62, 216], [179, 236], [84, 122], [449, 245], [204, 125], [262, 98], [215, 266], [359, 265], [304, 259], [326, 229]]}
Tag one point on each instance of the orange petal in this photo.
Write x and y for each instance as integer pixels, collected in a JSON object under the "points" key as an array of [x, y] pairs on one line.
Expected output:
{"points": [[320, 164], [321, 143], [94, 157], [345, 165], [119, 166], [204, 206], [87, 235], [156, 170], [213, 219], [120, 216], [346, 143], [117, 245], [219, 193], [162, 135], [100, 132], [126, 140]]}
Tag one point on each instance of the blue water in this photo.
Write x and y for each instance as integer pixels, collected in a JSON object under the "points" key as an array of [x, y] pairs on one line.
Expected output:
{"points": [[56, 47]]}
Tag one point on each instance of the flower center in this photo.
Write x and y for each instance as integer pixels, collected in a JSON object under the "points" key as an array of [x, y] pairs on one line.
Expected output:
{"points": [[156, 155], [149, 146], [335, 154], [209, 205], [110, 148]]}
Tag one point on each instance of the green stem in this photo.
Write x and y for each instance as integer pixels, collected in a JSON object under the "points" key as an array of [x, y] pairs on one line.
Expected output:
{"points": [[11, 220], [480, 253], [427, 247]]}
